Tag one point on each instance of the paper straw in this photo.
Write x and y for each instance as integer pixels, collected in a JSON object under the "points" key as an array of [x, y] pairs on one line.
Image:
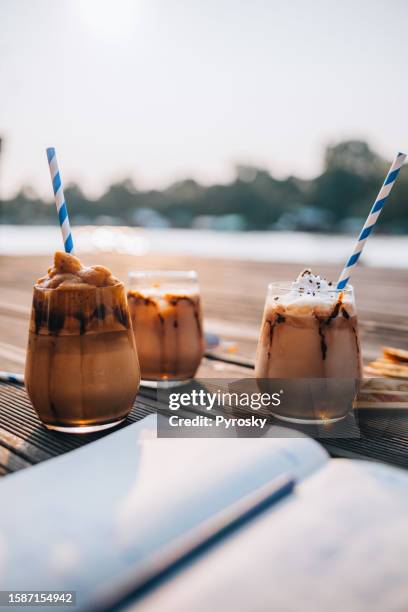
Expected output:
{"points": [[371, 219], [60, 200], [11, 377]]}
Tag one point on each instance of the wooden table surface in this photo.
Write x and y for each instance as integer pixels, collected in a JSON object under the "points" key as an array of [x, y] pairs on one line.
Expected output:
{"points": [[233, 297]]}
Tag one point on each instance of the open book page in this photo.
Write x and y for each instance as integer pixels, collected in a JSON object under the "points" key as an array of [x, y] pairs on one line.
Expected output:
{"points": [[84, 517], [339, 543]]}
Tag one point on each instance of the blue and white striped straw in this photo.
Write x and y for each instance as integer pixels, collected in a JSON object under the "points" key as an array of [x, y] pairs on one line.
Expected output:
{"points": [[371, 219], [11, 377], [60, 200]]}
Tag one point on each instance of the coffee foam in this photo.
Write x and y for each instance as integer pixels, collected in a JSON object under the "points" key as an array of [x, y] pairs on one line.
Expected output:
{"points": [[165, 291], [163, 299], [69, 273], [75, 300]]}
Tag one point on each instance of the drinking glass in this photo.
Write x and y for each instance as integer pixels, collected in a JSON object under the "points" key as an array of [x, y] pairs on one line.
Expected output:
{"points": [[165, 308], [82, 372], [309, 346]]}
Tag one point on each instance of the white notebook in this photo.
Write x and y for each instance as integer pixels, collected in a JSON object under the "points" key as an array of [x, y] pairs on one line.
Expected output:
{"points": [[339, 543], [81, 520]]}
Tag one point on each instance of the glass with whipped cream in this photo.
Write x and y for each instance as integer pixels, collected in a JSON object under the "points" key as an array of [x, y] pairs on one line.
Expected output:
{"points": [[165, 308], [310, 335], [82, 372]]}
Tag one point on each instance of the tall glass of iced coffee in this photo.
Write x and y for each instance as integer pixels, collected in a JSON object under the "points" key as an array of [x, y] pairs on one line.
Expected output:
{"points": [[309, 341], [82, 372], [165, 308]]}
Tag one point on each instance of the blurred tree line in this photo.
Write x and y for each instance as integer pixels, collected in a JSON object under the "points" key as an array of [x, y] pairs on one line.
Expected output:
{"points": [[336, 201]]}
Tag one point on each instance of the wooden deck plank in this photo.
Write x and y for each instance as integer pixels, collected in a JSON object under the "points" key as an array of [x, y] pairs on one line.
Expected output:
{"points": [[10, 461]]}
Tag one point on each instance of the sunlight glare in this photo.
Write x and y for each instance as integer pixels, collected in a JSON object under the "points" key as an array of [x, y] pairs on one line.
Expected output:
{"points": [[109, 18]]}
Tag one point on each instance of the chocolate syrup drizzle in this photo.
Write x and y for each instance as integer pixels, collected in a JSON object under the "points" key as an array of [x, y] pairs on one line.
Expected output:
{"points": [[323, 323], [83, 320], [140, 298], [323, 345], [173, 301], [121, 315], [53, 319], [279, 319], [99, 312], [356, 339]]}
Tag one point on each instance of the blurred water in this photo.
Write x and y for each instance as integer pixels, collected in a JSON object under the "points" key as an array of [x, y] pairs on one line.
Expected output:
{"points": [[296, 247]]}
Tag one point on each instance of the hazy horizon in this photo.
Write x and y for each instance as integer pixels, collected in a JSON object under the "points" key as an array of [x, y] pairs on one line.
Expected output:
{"points": [[160, 91]]}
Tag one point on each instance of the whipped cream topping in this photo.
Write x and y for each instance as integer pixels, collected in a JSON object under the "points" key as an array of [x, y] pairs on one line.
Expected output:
{"points": [[309, 294], [311, 284]]}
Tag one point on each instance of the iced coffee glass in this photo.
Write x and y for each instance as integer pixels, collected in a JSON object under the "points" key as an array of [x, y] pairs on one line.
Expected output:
{"points": [[165, 309], [309, 342], [82, 372]]}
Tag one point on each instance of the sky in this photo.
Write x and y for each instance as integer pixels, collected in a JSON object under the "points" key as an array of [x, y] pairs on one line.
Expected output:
{"points": [[161, 90]]}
